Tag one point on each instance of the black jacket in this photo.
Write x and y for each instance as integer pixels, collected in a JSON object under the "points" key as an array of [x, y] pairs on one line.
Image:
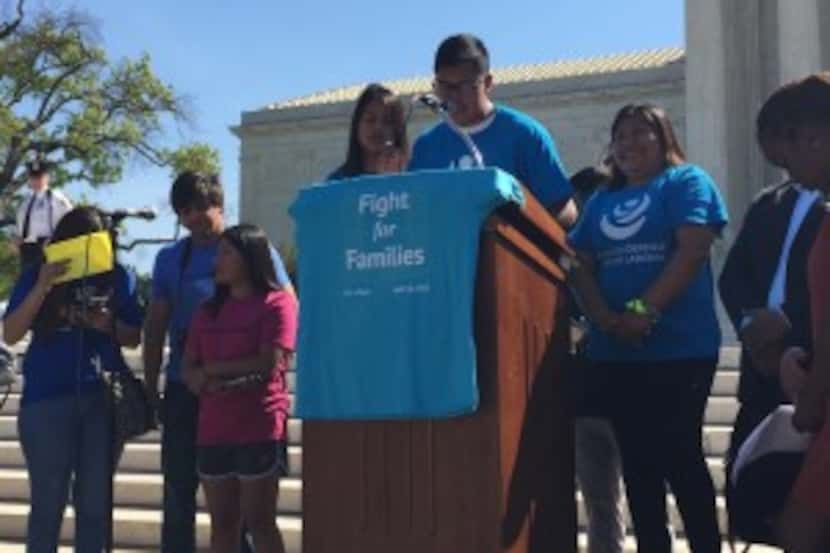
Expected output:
{"points": [[748, 274]]}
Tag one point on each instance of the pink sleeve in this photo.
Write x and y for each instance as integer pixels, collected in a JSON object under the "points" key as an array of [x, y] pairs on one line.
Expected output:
{"points": [[279, 328]]}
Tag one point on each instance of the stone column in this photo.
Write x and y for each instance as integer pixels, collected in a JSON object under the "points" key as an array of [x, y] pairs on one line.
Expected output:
{"points": [[799, 39], [824, 31], [737, 52], [706, 87]]}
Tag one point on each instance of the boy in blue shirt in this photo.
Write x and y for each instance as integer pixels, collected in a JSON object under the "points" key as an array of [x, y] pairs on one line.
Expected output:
{"points": [[507, 138], [182, 280]]}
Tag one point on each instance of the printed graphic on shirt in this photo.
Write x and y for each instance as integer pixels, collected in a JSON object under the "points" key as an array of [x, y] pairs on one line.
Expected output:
{"points": [[620, 224], [631, 234], [464, 162], [396, 258], [626, 219]]}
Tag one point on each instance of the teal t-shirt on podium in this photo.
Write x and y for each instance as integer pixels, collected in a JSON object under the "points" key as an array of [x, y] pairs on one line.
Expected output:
{"points": [[387, 269]]}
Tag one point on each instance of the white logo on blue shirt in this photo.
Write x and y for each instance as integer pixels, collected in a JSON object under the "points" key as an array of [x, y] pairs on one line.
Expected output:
{"points": [[464, 162], [627, 218]]}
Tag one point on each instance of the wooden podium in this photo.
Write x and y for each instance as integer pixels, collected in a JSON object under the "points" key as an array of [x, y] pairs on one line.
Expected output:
{"points": [[500, 480]]}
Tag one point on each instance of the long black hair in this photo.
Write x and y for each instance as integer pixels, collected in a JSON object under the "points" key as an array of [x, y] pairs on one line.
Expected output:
{"points": [[253, 245], [355, 164], [77, 222]]}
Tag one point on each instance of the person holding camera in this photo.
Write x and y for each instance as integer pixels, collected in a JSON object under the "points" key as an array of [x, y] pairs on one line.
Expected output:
{"points": [[182, 281], [38, 214], [78, 328]]}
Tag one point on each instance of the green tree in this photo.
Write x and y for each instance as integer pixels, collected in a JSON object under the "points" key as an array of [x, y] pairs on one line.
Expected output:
{"points": [[62, 96], [200, 158], [8, 266]]}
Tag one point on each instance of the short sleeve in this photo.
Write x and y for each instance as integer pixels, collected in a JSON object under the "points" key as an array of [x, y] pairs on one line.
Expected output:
{"points": [[692, 198], [279, 326], [128, 307], [21, 289], [580, 236], [279, 268], [61, 205], [162, 269], [542, 169]]}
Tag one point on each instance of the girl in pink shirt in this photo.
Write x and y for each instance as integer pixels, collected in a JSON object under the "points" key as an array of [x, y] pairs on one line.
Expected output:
{"points": [[237, 352]]}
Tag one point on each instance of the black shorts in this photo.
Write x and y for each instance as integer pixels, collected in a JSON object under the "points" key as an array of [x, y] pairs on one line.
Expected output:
{"points": [[243, 461]]}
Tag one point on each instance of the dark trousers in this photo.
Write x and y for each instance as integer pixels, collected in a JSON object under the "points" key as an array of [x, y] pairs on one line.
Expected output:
{"points": [[181, 481], [657, 415]]}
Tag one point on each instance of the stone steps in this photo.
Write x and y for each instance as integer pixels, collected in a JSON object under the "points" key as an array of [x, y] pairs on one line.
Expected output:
{"points": [[134, 528], [10, 547], [138, 485], [680, 546], [143, 491]]}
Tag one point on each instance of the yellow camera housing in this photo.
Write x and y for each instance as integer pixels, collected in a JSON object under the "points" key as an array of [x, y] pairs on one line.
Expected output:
{"points": [[88, 255]]}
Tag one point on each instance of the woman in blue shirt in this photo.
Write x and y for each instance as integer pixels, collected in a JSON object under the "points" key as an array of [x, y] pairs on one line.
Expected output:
{"points": [[645, 282], [64, 422]]}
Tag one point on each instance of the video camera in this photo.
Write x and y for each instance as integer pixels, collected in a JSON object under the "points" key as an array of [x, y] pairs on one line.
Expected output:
{"points": [[89, 298]]}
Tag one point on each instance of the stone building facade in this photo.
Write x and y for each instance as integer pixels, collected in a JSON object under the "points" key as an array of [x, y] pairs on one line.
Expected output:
{"points": [[294, 143], [736, 53]]}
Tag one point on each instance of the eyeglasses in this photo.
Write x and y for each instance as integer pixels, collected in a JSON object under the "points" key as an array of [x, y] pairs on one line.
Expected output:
{"points": [[443, 87]]}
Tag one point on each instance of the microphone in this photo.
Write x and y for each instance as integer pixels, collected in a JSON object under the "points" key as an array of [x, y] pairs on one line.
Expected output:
{"points": [[146, 213], [443, 109], [434, 103]]}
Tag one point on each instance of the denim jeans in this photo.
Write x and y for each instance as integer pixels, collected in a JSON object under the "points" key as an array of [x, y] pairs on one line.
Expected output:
{"points": [[180, 412], [66, 440]]}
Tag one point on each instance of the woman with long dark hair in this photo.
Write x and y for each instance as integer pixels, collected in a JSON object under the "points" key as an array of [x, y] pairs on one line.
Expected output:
{"points": [[64, 424], [377, 135], [237, 352], [645, 281]]}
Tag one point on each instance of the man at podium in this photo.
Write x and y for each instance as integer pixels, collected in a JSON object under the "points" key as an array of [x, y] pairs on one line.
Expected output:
{"points": [[506, 138]]}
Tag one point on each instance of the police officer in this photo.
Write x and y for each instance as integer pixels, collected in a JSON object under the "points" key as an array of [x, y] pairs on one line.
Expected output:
{"points": [[39, 213]]}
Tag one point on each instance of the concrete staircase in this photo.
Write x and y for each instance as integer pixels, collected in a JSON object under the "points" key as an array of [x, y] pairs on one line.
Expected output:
{"points": [[138, 489]]}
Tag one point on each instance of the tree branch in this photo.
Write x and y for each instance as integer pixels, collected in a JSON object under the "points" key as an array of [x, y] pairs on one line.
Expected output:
{"points": [[14, 156], [44, 113], [6, 29]]}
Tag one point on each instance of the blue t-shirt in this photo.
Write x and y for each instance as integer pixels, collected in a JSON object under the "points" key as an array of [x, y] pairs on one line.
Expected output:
{"points": [[185, 293], [70, 359], [387, 269], [630, 233], [510, 140]]}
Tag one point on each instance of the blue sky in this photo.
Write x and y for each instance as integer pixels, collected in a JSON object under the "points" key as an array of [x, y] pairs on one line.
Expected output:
{"points": [[229, 57]]}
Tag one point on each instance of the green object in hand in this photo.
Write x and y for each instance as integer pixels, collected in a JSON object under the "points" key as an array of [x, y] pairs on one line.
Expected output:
{"points": [[638, 306]]}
